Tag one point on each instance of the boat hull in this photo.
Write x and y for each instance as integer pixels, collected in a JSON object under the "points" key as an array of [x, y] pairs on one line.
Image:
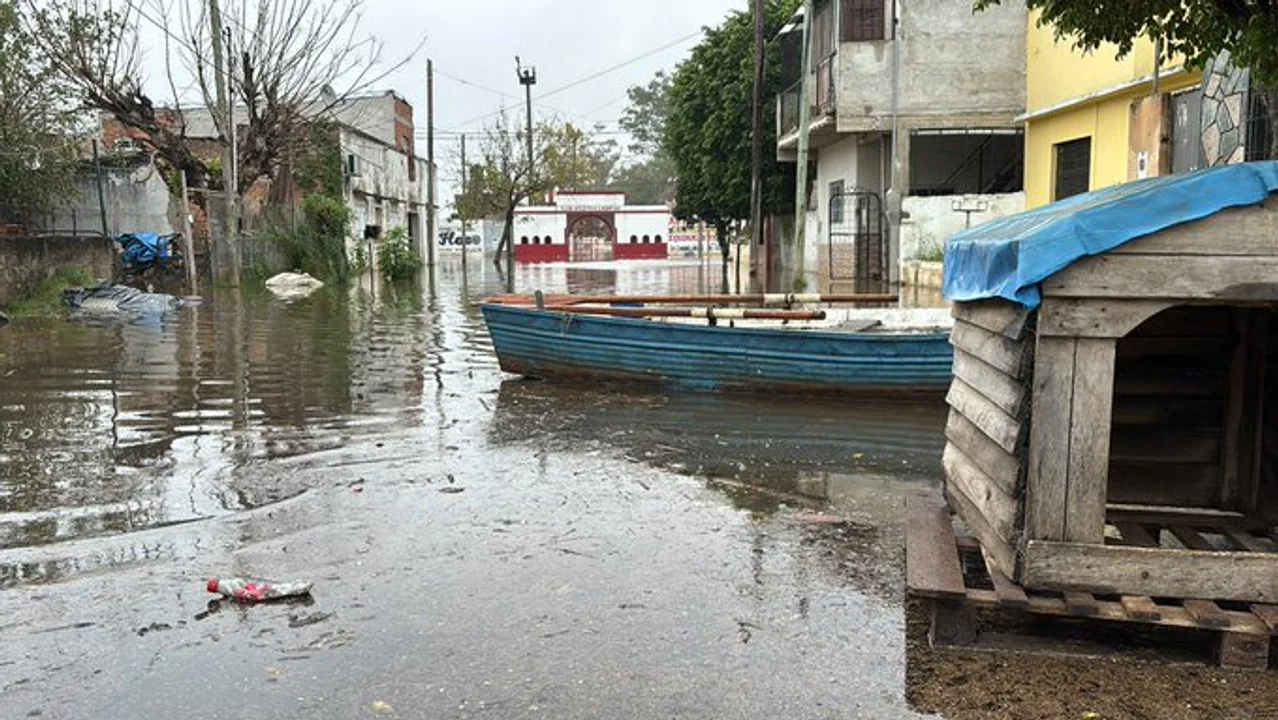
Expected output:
{"points": [[543, 344]]}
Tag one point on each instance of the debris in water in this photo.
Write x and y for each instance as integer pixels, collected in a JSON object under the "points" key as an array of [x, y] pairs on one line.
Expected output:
{"points": [[816, 518], [253, 590], [452, 490], [382, 708], [300, 621], [293, 286]]}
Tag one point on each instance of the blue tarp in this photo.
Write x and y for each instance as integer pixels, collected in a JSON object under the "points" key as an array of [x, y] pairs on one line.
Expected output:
{"points": [[142, 249], [1009, 257]]}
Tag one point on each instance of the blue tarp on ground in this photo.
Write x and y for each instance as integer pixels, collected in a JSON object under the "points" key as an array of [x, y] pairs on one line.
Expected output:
{"points": [[141, 249], [1009, 257]]}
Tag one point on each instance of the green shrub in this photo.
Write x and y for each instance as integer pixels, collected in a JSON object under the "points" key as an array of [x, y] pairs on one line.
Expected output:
{"points": [[45, 301], [931, 252], [396, 258], [318, 245]]}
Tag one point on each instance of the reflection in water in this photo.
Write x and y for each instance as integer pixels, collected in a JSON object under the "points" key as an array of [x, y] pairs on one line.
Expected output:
{"points": [[108, 429]]}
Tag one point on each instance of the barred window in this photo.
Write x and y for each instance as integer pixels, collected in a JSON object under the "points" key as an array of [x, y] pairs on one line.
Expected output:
{"points": [[864, 20]]}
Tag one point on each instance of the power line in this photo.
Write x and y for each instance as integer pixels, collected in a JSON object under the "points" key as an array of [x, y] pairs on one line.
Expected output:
{"points": [[588, 78]]}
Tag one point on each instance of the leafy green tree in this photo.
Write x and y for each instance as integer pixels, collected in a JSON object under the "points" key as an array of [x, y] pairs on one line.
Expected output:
{"points": [[649, 178], [708, 131], [38, 154], [1198, 30]]}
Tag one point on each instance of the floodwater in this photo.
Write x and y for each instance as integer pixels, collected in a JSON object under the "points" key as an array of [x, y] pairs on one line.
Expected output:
{"points": [[481, 545]]}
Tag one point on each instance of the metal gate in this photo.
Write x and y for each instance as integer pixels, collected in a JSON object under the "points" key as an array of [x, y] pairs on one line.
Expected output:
{"points": [[858, 241]]}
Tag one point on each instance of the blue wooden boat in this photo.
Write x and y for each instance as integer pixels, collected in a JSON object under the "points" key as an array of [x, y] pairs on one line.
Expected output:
{"points": [[550, 344]]}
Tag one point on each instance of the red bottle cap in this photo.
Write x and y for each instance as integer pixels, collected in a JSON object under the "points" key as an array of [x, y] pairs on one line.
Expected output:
{"points": [[212, 586]]}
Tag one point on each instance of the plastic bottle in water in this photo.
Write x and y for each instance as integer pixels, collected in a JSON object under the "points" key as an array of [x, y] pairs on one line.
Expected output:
{"points": [[255, 590]]}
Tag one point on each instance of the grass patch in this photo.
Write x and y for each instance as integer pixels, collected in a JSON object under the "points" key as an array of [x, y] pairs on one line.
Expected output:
{"points": [[45, 301]]}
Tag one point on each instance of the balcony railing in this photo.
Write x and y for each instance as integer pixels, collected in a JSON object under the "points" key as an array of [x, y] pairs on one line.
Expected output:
{"points": [[822, 99]]}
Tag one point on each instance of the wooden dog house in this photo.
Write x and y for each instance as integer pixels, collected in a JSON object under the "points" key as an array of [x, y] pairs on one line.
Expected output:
{"points": [[1114, 411]]}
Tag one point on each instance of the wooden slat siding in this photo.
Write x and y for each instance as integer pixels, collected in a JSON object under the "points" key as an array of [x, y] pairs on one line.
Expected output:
{"points": [[1000, 317], [996, 507], [1081, 604], [1236, 231], [1053, 396], [1196, 485], [996, 350], [997, 386], [1268, 614], [1136, 534], [999, 551], [1189, 517], [1089, 441], [1168, 277], [1161, 445], [1164, 410], [1132, 381], [1190, 538], [1243, 651], [1237, 405], [1245, 540], [1091, 318], [1140, 607], [1207, 613], [1009, 594], [1156, 572], [1000, 427], [932, 561], [1169, 616], [1001, 466], [1252, 468]]}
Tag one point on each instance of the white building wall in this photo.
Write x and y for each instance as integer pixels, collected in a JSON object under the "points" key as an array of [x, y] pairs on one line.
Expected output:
{"points": [[539, 226], [653, 225], [931, 221]]}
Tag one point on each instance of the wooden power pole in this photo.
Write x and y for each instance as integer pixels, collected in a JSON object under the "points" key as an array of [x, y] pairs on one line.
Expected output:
{"points": [[432, 233], [757, 278]]}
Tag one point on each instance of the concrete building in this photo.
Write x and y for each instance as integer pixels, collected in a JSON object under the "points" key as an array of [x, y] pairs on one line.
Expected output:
{"points": [[914, 131], [1093, 119], [591, 226]]}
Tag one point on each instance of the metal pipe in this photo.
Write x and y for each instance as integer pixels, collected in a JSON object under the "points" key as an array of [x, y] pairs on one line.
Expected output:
{"points": [[707, 313], [760, 299]]}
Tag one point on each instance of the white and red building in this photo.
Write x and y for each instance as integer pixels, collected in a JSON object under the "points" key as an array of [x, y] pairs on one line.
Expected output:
{"points": [[591, 226]]}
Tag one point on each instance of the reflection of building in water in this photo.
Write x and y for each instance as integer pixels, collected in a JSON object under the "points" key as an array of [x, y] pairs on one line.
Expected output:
{"points": [[389, 350]]}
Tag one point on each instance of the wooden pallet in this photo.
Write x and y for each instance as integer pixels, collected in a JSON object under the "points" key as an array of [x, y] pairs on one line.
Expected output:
{"points": [[936, 560]]}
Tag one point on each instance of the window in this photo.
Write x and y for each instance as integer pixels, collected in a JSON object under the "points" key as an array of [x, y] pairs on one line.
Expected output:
{"points": [[646, 239], [1186, 133], [547, 240], [657, 239], [968, 161], [1073, 168], [822, 32], [836, 202], [523, 240], [864, 20], [1260, 130], [634, 239]]}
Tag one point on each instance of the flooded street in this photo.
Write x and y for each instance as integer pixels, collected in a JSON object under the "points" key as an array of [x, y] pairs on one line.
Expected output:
{"points": [[481, 545]]}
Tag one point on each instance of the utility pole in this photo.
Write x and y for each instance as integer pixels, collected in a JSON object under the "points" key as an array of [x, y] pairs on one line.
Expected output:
{"points": [[757, 279], [461, 213], [801, 183], [431, 211], [226, 111], [527, 78]]}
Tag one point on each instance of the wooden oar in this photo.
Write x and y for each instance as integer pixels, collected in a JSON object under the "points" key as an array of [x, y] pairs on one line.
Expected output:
{"points": [[765, 299], [707, 313]]}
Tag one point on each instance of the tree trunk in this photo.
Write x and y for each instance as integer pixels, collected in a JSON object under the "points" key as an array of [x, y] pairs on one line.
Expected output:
{"points": [[725, 250], [507, 236]]}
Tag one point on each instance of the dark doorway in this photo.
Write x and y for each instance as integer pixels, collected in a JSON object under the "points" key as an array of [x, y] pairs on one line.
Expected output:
{"points": [[590, 238], [1073, 168]]}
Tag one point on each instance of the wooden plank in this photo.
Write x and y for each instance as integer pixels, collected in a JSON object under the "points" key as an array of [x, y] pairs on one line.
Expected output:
{"points": [[931, 557], [1161, 572], [1140, 607], [1094, 318], [1243, 651], [996, 350], [1245, 540], [1268, 614], [1237, 406], [1081, 604], [1145, 444], [997, 387], [1207, 613], [1190, 538], [1135, 380], [1182, 485], [998, 549], [997, 507], [1136, 534], [1009, 594], [1166, 410], [1000, 427], [1000, 317], [1047, 476], [1168, 277], [1251, 231], [1159, 515], [1001, 466], [1089, 441], [1184, 320]]}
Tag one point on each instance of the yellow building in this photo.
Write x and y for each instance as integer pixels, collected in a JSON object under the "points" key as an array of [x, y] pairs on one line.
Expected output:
{"points": [[1093, 120]]}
